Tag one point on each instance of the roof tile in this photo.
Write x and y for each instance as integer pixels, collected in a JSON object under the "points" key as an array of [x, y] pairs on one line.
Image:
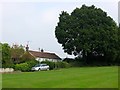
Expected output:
{"points": [[44, 55]]}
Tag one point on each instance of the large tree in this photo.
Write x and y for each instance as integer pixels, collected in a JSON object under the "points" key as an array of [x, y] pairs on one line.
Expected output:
{"points": [[118, 49], [88, 31]]}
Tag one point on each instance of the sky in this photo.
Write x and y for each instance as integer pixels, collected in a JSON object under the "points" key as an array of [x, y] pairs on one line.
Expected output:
{"points": [[35, 21]]}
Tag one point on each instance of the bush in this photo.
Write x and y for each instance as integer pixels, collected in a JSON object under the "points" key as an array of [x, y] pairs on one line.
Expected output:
{"points": [[77, 62], [56, 65], [29, 64], [32, 63], [22, 67], [7, 66], [63, 65], [51, 64], [26, 66]]}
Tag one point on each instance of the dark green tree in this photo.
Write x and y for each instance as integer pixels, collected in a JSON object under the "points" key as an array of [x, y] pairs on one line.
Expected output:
{"points": [[118, 45], [88, 31]]}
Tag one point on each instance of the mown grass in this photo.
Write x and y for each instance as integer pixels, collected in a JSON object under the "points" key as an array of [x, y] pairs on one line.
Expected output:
{"points": [[83, 77], [0, 81]]}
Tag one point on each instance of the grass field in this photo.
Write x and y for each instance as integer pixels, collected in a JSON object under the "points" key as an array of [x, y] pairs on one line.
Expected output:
{"points": [[84, 77]]}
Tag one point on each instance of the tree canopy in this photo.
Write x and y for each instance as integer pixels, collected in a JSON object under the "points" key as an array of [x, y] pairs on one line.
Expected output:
{"points": [[10, 56], [6, 55], [88, 31], [16, 52]]}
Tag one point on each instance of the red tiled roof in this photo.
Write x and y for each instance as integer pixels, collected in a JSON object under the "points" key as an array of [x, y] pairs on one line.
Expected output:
{"points": [[44, 55]]}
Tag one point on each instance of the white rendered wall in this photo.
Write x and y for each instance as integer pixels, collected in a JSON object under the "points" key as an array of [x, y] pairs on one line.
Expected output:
{"points": [[44, 59]]}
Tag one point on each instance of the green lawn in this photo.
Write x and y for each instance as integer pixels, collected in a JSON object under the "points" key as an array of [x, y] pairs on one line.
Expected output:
{"points": [[84, 77]]}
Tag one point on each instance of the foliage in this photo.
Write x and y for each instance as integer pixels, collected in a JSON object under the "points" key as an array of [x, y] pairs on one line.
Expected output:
{"points": [[27, 57], [6, 55], [22, 67], [88, 33], [15, 55], [16, 52], [51, 64], [68, 60], [56, 65], [118, 56], [81, 62], [63, 65], [26, 66], [31, 63]]}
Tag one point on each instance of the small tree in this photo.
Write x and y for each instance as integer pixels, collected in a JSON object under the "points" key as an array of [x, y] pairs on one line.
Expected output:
{"points": [[6, 55], [16, 52], [27, 57]]}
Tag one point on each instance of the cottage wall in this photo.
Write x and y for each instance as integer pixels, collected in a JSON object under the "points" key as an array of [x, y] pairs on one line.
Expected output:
{"points": [[44, 59]]}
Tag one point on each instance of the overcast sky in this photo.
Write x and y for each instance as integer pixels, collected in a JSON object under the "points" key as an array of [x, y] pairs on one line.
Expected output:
{"points": [[36, 21]]}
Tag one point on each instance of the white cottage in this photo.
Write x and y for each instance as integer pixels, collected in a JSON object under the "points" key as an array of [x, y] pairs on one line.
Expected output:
{"points": [[43, 56]]}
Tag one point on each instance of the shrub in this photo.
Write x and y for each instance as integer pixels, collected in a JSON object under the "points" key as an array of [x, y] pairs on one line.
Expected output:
{"points": [[77, 62], [51, 64], [22, 67], [56, 65], [26, 57], [32, 63], [26, 66], [63, 65]]}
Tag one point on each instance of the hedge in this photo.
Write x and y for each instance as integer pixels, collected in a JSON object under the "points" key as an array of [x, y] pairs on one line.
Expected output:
{"points": [[56, 65], [26, 66]]}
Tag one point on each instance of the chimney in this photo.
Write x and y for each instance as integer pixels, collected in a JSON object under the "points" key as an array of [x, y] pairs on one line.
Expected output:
{"points": [[39, 49], [27, 48], [42, 50]]}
